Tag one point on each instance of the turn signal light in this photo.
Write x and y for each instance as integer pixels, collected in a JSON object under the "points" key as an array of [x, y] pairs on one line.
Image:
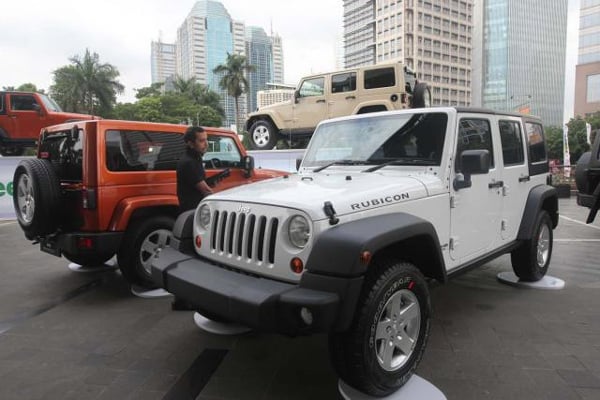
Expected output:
{"points": [[198, 241], [297, 265], [365, 257]]}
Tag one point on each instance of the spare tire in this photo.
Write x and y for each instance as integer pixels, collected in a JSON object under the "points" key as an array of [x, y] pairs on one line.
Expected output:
{"points": [[421, 97], [36, 197]]}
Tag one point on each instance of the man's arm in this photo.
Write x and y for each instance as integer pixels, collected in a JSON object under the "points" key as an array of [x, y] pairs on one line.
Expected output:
{"points": [[203, 188]]}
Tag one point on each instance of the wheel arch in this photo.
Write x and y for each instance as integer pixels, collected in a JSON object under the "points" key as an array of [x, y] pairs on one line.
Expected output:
{"points": [[337, 251], [129, 210], [267, 117], [372, 106], [541, 197]]}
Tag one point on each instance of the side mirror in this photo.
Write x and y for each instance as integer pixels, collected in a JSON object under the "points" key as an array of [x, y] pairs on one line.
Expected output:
{"points": [[248, 163], [298, 162], [36, 107], [472, 162], [296, 96]]}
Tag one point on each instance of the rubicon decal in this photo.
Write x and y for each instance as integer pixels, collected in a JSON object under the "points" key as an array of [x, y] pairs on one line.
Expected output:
{"points": [[380, 201]]}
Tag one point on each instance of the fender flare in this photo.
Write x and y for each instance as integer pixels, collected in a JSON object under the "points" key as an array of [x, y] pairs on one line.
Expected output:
{"points": [[540, 197], [128, 207], [337, 250], [269, 116]]}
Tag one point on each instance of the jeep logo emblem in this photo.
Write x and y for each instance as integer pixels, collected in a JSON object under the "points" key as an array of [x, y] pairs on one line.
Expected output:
{"points": [[244, 209]]}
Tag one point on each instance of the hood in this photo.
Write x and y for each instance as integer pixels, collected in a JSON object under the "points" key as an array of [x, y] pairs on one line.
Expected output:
{"points": [[75, 116], [348, 192]]}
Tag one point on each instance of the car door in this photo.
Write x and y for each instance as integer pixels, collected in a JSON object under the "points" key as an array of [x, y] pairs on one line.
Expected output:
{"points": [[343, 97], [25, 115], [310, 107], [475, 211], [517, 181], [6, 123]]}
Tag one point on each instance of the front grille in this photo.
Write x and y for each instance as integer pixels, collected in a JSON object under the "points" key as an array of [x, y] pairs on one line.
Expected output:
{"points": [[247, 236]]}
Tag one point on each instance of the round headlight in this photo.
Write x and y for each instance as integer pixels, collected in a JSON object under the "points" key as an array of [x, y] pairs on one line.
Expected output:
{"points": [[299, 231], [204, 216]]}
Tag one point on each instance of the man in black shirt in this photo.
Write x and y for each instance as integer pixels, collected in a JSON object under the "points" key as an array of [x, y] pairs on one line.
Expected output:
{"points": [[191, 179]]}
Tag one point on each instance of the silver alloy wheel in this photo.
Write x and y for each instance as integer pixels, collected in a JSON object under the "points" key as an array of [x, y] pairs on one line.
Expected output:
{"points": [[397, 330], [261, 136], [152, 246], [543, 245], [25, 199]]}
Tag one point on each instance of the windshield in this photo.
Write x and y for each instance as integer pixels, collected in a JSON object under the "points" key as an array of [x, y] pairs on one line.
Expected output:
{"points": [[50, 104], [407, 139]]}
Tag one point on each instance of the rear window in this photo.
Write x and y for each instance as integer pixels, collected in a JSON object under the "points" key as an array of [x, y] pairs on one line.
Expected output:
{"points": [[378, 78], [128, 150], [64, 150]]}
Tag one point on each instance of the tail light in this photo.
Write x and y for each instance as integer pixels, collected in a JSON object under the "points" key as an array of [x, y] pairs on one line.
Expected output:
{"points": [[89, 199]]}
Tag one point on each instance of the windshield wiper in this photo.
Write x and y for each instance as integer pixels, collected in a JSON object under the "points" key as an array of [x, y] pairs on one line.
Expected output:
{"points": [[339, 162], [402, 161]]}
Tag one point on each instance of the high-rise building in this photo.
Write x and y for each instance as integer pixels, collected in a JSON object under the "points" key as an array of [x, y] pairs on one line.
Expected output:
{"points": [[587, 72], [277, 58], [162, 61], [432, 37], [204, 39], [259, 54], [523, 55]]}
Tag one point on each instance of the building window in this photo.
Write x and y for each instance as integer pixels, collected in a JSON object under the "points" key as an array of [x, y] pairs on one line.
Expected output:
{"points": [[593, 88]]}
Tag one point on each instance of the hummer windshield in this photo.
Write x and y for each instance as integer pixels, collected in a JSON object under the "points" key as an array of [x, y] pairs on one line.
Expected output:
{"points": [[394, 139]]}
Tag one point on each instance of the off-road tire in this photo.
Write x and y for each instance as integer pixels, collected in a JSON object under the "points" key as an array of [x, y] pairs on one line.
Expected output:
{"points": [[143, 240], [421, 96], [357, 353], [262, 135], [581, 174], [531, 259], [36, 197]]}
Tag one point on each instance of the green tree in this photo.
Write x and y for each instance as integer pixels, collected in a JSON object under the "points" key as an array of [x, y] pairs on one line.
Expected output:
{"points": [[29, 87], [233, 79], [554, 140], [87, 85], [152, 90]]}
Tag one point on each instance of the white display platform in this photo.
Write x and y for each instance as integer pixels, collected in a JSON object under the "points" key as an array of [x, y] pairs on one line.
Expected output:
{"points": [[218, 328], [146, 293], [110, 265], [416, 388], [547, 282]]}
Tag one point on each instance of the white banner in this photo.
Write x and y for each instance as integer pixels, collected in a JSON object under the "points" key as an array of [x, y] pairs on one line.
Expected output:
{"points": [[7, 170], [566, 153]]}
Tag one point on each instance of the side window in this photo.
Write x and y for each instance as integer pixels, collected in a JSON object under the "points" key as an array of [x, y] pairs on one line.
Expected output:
{"points": [[343, 82], [474, 134], [381, 77], [535, 140], [313, 87], [143, 150], [22, 102], [512, 142], [222, 153], [2, 110]]}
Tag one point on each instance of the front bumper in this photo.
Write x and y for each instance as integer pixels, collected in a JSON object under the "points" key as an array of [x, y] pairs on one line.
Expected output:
{"points": [[262, 304]]}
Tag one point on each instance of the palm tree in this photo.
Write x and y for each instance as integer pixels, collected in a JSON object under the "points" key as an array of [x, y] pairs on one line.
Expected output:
{"points": [[87, 85], [233, 79]]}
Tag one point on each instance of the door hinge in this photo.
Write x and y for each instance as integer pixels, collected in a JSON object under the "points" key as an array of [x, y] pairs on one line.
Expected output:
{"points": [[452, 244], [503, 225], [453, 201]]}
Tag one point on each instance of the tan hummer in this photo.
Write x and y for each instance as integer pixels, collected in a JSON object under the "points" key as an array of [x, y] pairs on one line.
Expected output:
{"points": [[359, 90]]}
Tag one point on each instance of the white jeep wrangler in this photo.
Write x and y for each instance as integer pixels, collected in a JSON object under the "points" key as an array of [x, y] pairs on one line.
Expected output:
{"points": [[382, 203]]}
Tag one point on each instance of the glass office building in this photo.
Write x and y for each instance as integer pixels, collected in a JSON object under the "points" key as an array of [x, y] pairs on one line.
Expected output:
{"points": [[259, 53], [523, 57]]}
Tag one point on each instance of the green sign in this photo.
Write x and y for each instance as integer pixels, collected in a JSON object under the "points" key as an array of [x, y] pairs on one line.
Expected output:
{"points": [[6, 189]]}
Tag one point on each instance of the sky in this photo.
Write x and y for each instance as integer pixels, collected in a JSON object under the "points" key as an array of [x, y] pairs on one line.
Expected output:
{"points": [[40, 36]]}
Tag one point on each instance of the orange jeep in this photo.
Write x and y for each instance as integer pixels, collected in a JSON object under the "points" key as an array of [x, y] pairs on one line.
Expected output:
{"points": [[102, 187], [22, 117]]}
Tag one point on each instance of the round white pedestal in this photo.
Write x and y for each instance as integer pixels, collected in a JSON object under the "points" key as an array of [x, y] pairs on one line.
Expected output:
{"points": [[110, 265], [146, 293], [547, 282], [415, 388], [218, 328]]}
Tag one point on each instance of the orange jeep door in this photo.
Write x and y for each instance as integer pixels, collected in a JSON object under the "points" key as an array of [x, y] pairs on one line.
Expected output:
{"points": [[23, 111]]}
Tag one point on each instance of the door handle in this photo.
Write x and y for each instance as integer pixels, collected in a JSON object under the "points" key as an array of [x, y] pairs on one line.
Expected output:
{"points": [[350, 97], [524, 179], [321, 101], [497, 184]]}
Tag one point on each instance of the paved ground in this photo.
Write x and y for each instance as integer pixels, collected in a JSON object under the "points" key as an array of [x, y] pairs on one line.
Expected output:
{"points": [[67, 335]]}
